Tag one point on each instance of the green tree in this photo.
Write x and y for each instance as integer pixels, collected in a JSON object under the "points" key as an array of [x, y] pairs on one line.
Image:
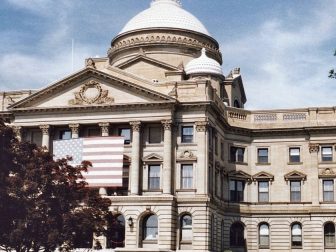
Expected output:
{"points": [[332, 72], [44, 204]]}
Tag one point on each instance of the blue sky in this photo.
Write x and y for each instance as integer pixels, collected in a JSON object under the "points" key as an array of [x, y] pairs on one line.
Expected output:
{"points": [[283, 47]]}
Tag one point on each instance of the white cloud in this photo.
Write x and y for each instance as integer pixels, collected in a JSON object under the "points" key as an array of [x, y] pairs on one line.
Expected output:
{"points": [[283, 66]]}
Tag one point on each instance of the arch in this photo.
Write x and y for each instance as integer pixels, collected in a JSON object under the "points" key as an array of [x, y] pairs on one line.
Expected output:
{"points": [[237, 238], [115, 237], [186, 228], [329, 235], [264, 235], [296, 234]]}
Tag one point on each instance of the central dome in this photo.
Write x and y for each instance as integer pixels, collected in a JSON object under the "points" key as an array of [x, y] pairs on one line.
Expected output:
{"points": [[165, 14]]}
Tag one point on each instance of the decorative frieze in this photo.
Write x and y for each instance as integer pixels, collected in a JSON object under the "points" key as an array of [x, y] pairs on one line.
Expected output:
{"points": [[85, 97], [265, 117]]}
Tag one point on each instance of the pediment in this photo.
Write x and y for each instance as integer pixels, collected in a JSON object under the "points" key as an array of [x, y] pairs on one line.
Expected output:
{"points": [[153, 157], [327, 173], [239, 175], [295, 175], [90, 87], [148, 68], [263, 176]]}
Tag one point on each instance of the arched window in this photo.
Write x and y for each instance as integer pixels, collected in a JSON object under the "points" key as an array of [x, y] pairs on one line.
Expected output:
{"points": [[186, 228], [296, 232], [264, 235], [237, 235], [236, 104], [329, 235], [115, 231], [150, 228]]}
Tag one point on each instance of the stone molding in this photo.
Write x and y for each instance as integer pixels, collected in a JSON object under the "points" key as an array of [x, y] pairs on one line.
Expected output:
{"points": [[295, 175]]}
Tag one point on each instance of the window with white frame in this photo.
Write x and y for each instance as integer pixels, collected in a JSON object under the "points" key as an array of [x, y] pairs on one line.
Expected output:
{"points": [[296, 232], [264, 235], [328, 190], [295, 191], [263, 155], [187, 135], [326, 153], [263, 191], [186, 176], [294, 155], [154, 177]]}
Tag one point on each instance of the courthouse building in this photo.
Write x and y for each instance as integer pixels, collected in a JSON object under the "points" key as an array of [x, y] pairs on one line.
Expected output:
{"points": [[201, 173]]}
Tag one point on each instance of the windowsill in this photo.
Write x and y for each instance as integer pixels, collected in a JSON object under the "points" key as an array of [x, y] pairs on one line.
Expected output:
{"points": [[188, 144], [260, 164], [326, 162], [186, 190], [150, 241], [153, 144], [296, 247], [294, 163], [238, 162], [264, 247], [327, 202], [153, 190], [186, 242]]}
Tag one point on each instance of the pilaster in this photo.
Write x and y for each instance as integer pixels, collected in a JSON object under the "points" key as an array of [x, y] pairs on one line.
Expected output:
{"points": [[167, 157], [135, 164], [45, 135], [202, 164]]}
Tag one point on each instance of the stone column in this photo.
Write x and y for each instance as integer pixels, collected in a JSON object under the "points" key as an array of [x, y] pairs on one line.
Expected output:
{"points": [[104, 132], [313, 174], [18, 132], [202, 164], [167, 157], [74, 130], [135, 164], [45, 135]]}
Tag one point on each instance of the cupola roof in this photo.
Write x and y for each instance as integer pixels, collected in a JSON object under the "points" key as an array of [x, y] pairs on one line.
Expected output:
{"points": [[203, 65], [165, 14]]}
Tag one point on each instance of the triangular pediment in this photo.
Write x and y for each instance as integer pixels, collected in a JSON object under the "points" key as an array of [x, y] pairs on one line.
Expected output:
{"points": [[239, 175], [153, 157], [263, 176], [91, 87], [295, 175], [148, 68]]}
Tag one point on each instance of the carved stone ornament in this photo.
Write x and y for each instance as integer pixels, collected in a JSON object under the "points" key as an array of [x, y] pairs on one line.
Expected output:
{"points": [[186, 155], [167, 124], [90, 63], [135, 126], [45, 129], [85, 97], [313, 148], [201, 126], [327, 173], [74, 128]]}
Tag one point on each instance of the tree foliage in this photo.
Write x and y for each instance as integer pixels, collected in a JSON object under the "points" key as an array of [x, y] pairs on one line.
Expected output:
{"points": [[44, 204], [332, 72]]}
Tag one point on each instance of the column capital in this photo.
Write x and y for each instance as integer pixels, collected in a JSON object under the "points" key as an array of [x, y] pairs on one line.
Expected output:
{"points": [[45, 129], [74, 128], [136, 125], [201, 126], [313, 147], [17, 131], [167, 124], [105, 126]]}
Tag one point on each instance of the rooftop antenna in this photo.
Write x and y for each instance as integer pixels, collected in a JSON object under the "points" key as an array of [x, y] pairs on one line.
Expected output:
{"points": [[72, 53]]}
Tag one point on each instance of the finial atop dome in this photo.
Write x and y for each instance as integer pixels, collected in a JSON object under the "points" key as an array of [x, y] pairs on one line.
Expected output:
{"points": [[175, 2]]}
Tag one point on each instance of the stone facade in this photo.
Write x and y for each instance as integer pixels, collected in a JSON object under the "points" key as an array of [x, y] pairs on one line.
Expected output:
{"points": [[248, 180]]}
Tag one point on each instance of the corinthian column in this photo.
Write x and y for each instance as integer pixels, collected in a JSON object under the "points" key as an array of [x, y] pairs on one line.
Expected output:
{"points": [[167, 157], [74, 130], [202, 165], [45, 135], [104, 132], [135, 164]]}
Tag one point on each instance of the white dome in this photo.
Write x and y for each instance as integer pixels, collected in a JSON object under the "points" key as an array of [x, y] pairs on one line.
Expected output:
{"points": [[165, 14], [203, 65]]}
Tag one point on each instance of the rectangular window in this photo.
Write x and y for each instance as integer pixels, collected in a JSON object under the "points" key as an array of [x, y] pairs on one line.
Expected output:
{"points": [[237, 154], [65, 134], [295, 191], [326, 153], [263, 155], [294, 155], [126, 133], [154, 134], [263, 188], [154, 177], [237, 190], [328, 190], [187, 134], [186, 176]]}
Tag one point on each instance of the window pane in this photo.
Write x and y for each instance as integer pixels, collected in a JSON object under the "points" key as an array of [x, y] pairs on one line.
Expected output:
{"points": [[151, 228], [154, 177], [186, 226], [263, 186], [187, 134], [295, 186], [186, 176], [264, 230], [326, 153], [262, 155], [126, 133], [65, 134], [294, 155], [154, 135], [296, 229]]}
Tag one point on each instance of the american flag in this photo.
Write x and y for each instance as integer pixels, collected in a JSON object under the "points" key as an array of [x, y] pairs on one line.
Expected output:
{"points": [[105, 154]]}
